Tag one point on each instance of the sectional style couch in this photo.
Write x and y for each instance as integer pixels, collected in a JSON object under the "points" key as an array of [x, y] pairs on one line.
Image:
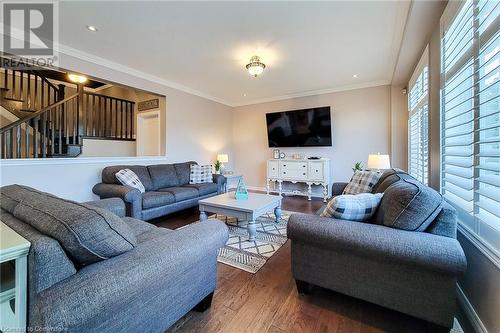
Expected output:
{"points": [[91, 270], [407, 258], [167, 189]]}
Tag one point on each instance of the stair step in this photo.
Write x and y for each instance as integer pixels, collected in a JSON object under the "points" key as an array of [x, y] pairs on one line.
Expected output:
{"points": [[28, 110], [13, 99]]}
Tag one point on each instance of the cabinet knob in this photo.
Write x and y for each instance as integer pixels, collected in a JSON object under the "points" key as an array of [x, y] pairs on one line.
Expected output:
{"points": [[303, 166], [284, 172], [316, 170], [284, 165], [304, 173]]}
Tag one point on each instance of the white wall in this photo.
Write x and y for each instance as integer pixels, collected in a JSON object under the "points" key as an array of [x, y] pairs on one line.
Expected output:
{"points": [[361, 121], [70, 178], [107, 148]]}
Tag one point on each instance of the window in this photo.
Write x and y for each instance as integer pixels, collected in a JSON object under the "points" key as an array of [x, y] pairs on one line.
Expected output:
{"points": [[470, 117], [418, 122]]}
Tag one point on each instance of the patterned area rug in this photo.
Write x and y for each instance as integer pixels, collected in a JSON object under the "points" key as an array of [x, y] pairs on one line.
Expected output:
{"points": [[249, 256]]}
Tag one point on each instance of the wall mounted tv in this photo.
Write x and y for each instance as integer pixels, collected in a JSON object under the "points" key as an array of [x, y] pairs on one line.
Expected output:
{"points": [[300, 128]]}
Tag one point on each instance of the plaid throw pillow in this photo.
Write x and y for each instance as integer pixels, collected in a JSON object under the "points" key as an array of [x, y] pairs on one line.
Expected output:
{"points": [[359, 207], [362, 182], [200, 174], [129, 178]]}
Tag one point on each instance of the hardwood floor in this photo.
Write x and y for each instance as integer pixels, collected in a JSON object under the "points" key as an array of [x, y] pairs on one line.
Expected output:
{"points": [[268, 301]]}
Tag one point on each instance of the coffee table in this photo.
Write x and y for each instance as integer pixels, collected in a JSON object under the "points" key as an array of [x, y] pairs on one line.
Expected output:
{"points": [[247, 210]]}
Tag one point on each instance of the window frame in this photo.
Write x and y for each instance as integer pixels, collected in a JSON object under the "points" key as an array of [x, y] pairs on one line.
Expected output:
{"points": [[474, 229], [421, 71]]}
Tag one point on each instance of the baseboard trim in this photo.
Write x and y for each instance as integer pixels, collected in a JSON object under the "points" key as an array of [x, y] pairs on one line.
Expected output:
{"points": [[263, 189], [471, 314]]}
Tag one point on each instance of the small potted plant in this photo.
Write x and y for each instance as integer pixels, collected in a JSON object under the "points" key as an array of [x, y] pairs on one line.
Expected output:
{"points": [[358, 166], [218, 166]]}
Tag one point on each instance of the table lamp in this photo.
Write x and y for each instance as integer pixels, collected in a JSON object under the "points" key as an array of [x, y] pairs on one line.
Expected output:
{"points": [[378, 162], [222, 158]]}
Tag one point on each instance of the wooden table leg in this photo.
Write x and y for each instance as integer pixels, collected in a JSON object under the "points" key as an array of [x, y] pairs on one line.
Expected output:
{"points": [[252, 229], [277, 214]]}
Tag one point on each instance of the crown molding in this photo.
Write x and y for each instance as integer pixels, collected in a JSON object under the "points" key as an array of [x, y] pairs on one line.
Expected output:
{"points": [[316, 92], [88, 57]]}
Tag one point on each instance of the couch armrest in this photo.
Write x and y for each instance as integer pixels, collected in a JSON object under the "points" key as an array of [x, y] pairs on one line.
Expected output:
{"points": [[221, 181], [131, 196], [115, 205], [338, 188], [421, 249], [157, 263]]}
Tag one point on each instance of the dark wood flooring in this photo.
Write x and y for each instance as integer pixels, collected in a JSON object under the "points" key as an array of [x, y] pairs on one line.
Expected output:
{"points": [[268, 301]]}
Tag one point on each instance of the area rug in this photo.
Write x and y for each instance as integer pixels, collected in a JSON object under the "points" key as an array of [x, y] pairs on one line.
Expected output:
{"points": [[248, 255]]}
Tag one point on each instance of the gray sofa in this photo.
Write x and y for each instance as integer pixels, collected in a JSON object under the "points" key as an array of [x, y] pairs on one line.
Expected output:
{"points": [[145, 286], [410, 266], [167, 189]]}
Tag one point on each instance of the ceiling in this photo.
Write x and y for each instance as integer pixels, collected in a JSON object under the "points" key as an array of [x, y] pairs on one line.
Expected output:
{"points": [[202, 47]]}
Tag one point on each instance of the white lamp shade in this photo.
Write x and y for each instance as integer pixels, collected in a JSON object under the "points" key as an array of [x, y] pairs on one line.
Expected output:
{"points": [[378, 162], [223, 158]]}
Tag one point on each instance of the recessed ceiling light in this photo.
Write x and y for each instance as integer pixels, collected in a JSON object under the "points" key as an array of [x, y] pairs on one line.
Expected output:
{"points": [[355, 76], [244, 95], [92, 28]]}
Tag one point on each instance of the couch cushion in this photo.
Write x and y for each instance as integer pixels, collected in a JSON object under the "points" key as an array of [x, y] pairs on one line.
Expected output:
{"points": [[137, 226], [408, 205], [204, 189], [183, 171], [108, 175], [181, 193], [388, 178], [163, 175], [87, 233], [156, 199]]}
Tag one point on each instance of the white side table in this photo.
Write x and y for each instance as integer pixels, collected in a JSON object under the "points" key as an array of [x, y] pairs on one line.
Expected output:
{"points": [[232, 181], [13, 284]]}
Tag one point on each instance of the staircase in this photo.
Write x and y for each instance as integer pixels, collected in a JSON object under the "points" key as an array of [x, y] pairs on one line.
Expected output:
{"points": [[51, 125]]}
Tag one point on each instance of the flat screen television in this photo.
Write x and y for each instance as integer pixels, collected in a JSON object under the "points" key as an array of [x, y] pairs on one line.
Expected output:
{"points": [[300, 128]]}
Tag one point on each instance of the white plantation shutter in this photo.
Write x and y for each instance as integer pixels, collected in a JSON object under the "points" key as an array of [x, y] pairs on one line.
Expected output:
{"points": [[470, 117], [418, 122]]}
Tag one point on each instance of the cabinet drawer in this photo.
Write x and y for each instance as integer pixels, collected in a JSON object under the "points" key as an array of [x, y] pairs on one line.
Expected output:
{"points": [[316, 170], [293, 173], [272, 169], [293, 165]]}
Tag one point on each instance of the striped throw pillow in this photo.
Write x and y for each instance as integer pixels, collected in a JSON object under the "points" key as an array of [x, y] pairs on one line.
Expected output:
{"points": [[129, 178]]}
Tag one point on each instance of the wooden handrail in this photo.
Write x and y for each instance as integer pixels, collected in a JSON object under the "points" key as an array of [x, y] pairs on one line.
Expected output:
{"points": [[36, 114], [109, 97]]}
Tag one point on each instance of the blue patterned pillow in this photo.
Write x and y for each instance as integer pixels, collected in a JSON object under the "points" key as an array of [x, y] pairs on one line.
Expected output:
{"points": [[359, 207]]}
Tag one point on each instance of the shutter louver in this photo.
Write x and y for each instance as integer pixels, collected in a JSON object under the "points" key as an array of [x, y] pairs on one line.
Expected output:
{"points": [[470, 131]]}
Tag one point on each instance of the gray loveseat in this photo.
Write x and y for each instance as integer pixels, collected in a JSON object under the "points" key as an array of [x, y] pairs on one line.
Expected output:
{"points": [[410, 266], [118, 274], [167, 189]]}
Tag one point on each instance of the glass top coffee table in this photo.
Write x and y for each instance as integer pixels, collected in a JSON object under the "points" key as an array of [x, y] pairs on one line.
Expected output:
{"points": [[249, 210]]}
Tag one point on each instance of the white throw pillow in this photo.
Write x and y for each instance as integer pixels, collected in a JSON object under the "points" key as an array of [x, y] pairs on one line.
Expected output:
{"points": [[129, 178], [200, 174], [359, 207], [362, 182]]}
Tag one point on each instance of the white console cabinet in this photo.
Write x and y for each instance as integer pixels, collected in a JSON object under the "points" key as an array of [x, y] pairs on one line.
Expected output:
{"points": [[310, 172]]}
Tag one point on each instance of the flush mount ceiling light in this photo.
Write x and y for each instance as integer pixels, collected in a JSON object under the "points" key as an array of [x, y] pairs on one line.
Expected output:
{"points": [[77, 78], [255, 67], [355, 76], [92, 28]]}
